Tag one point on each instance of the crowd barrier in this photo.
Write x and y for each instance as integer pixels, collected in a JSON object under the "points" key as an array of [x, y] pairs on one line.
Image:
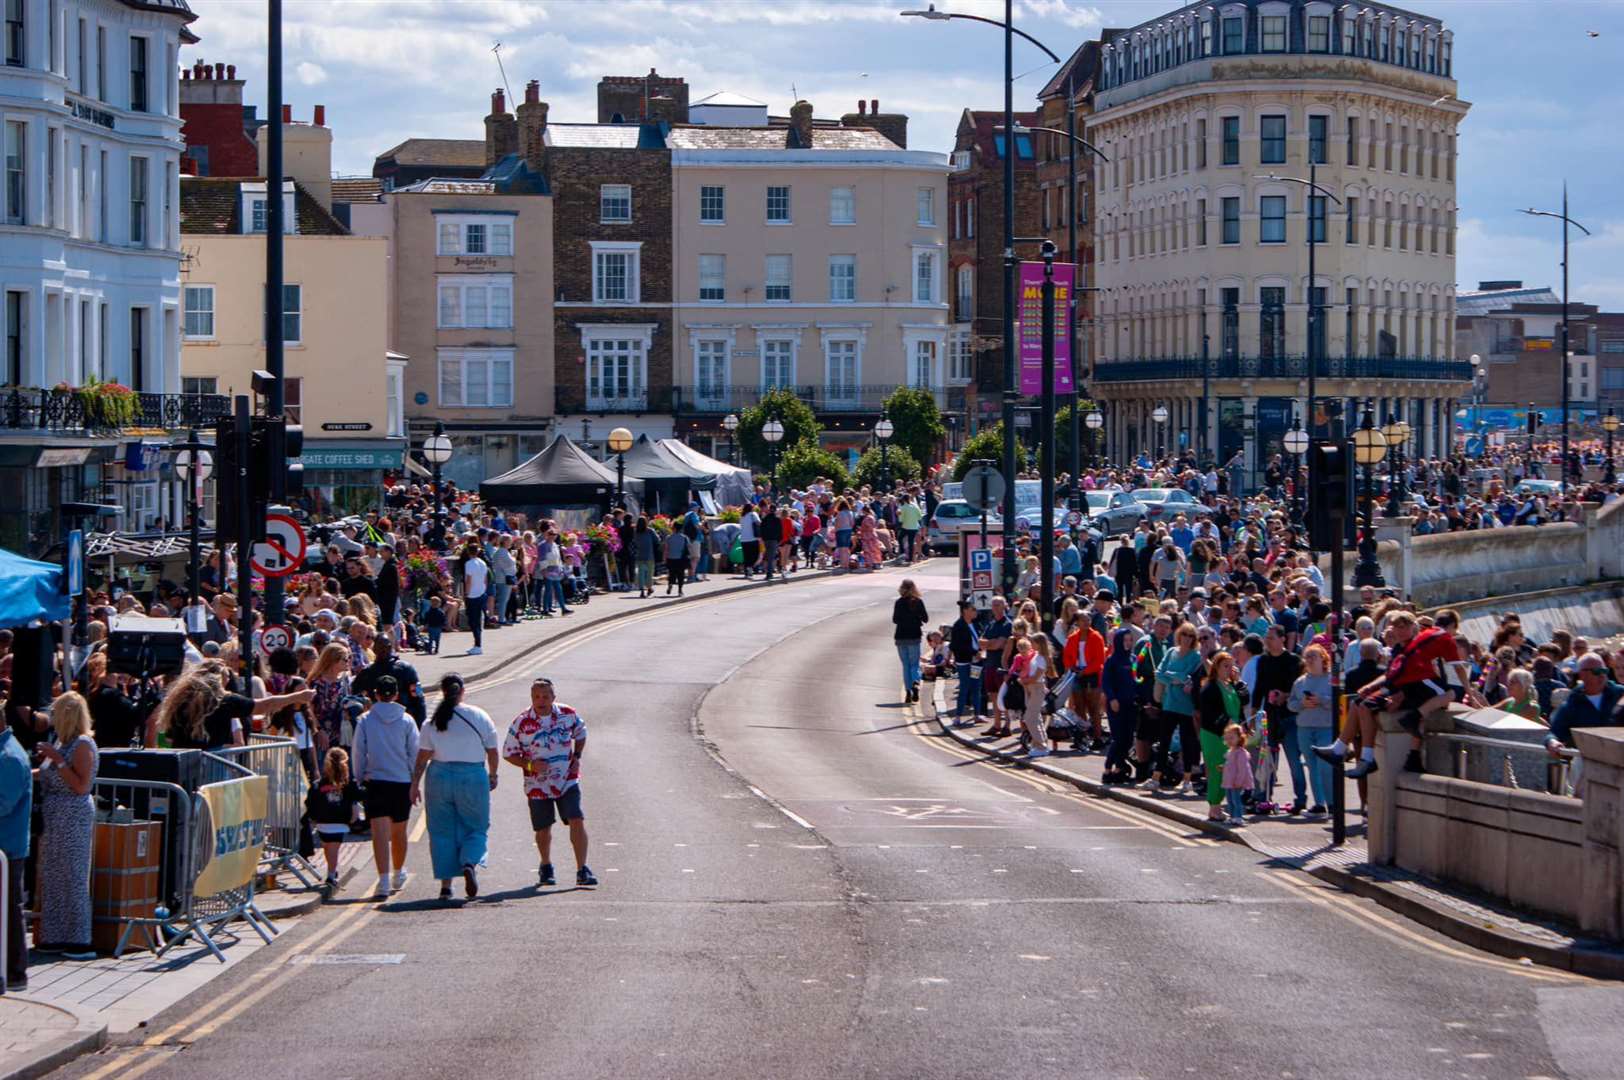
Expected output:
{"points": [[276, 758]]}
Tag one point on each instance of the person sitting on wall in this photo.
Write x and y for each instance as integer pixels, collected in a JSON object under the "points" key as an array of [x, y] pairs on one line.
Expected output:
{"points": [[1413, 686]]}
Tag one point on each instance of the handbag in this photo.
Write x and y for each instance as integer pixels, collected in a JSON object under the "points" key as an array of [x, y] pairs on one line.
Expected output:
{"points": [[1014, 696], [735, 554], [975, 671]]}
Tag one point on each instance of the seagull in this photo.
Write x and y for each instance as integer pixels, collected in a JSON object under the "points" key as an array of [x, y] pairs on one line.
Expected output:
{"points": [[1593, 33], [1440, 101]]}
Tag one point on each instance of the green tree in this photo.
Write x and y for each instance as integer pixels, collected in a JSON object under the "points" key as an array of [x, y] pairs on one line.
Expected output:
{"points": [[1062, 436], [914, 414], [902, 465], [800, 425], [805, 462], [987, 444]]}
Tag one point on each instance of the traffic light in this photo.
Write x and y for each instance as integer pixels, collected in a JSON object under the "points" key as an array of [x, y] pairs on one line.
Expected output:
{"points": [[276, 444], [1533, 420], [1331, 496], [227, 485]]}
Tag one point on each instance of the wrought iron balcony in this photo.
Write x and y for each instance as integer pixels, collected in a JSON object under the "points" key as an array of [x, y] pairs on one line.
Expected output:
{"points": [[1281, 367], [89, 410], [720, 400], [570, 400]]}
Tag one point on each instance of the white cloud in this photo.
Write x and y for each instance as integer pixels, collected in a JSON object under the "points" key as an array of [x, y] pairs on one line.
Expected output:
{"points": [[1065, 12], [311, 74]]}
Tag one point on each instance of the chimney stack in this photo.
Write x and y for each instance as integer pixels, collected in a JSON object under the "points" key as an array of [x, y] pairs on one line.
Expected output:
{"points": [[220, 70], [862, 107], [307, 154], [893, 126], [320, 118], [800, 126], [231, 71], [287, 114], [501, 131], [532, 126], [874, 106]]}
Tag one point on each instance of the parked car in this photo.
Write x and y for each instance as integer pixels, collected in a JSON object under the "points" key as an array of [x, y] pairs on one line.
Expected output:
{"points": [[1114, 512], [1165, 504], [951, 517], [1532, 486]]}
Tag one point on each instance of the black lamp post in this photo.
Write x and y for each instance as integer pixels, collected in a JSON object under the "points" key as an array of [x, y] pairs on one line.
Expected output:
{"points": [[773, 433], [1567, 222], [194, 463], [883, 432], [620, 441], [1296, 443], [1095, 422], [731, 423], [1369, 448], [1159, 414], [1398, 433], [437, 451], [1609, 424]]}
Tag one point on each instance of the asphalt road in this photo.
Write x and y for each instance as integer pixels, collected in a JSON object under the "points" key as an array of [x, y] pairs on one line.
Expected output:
{"points": [[800, 880]]}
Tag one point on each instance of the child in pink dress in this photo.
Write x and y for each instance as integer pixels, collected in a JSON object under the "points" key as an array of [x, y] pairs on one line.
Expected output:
{"points": [[1237, 772], [872, 555]]}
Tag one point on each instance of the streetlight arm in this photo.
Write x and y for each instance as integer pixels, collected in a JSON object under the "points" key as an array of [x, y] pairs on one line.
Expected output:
{"points": [[1078, 139], [1321, 188], [1559, 217], [1017, 31]]}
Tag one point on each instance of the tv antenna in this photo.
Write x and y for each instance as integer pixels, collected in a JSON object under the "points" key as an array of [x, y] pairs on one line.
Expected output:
{"points": [[497, 50]]}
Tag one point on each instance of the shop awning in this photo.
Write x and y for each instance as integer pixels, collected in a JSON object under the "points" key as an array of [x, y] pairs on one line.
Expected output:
{"points": [[30, 591]]}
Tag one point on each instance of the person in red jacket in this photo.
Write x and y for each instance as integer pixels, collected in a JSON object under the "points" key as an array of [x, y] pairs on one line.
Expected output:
{"points": [[1084, 654], [1413, 686]]}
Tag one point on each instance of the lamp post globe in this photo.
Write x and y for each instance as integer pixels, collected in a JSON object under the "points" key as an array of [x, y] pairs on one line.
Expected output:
{"points": [[730, 423], [620, 441], [883, 432], [1296, 444], [1159, 415], [437, 451], [773, 432], [1094, 421], [1369, 448]]}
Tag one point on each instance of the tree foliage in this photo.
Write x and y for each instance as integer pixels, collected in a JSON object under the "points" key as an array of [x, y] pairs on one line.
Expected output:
{"points": [[987, 444], [871, 469], [800, 425], [914, 414], [805, 462]]}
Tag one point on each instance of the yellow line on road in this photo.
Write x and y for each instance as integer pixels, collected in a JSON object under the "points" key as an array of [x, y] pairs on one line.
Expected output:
{"points": [[1384, 927]]}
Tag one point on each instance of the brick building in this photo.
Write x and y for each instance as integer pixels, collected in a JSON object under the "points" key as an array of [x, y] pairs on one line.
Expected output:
{"points": [[975, 193], [218, 128], [1515, 333]]}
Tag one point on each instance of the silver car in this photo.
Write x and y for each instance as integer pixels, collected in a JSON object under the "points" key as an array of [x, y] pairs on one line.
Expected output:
{"points": [[951, 517], [1113, 512]]}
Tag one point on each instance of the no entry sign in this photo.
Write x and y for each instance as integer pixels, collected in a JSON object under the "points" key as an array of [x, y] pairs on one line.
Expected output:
{"points": [[282, 552]]}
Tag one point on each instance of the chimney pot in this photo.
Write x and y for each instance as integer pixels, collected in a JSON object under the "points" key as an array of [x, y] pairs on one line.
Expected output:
{"points": [[186, 74], [874, 106], [220, 71], [862, 107], [321, 116], [197, 69], [287, 114], [231, 71], [498, 103], [532, 92]]}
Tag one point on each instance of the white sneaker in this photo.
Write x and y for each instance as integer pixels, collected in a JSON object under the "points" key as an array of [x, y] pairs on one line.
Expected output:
{"points": [[475, 651], [1186, 789], [381, 890], [399, 880], [1034, 753]]}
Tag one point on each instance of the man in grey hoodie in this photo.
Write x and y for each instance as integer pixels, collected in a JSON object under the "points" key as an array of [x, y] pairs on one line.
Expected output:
{"points": [[385, 754]]}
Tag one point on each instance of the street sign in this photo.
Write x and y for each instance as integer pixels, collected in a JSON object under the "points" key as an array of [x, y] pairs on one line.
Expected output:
{"points": [[282, 552], [1075, 518], [981, 561], [76, 562], [980, 580], [983, 488], [983, 599], [273, 638], [347, 425]]}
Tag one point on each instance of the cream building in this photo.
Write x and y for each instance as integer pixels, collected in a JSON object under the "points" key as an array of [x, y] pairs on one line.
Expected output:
{"points": [[805, 256], [1203, 254]]}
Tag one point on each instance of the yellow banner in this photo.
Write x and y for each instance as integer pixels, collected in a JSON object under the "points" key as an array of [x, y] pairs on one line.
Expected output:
{"points": [[235, 836]]}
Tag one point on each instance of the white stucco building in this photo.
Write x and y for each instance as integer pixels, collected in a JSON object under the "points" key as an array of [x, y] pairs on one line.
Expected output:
{"points": [[1213, 116]]}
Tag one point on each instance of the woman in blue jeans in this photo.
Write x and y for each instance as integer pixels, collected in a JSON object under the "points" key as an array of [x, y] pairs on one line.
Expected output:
{"points": [[1310, 703], [909, 616], [457, 749]]}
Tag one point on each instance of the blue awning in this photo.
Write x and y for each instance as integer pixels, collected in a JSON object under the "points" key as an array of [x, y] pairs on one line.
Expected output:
{"points": [[30, 591]]}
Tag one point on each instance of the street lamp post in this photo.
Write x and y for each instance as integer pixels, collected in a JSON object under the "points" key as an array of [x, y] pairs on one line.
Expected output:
{"points": [[1398, 434], [620, 441], [1206, 389], [773, 432], [1296, 443], [1567, 222], [883, 432], [1369, 448], [1159, 414], [195, 464], [437, 450], [1095, 422], [1011, 148], [1609, 424], [731, 423]]}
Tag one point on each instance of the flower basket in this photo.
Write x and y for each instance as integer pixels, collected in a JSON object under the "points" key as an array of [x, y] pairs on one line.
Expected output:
{"points": [[661, 524], [602, 540], [107, 405], [423, 574]]}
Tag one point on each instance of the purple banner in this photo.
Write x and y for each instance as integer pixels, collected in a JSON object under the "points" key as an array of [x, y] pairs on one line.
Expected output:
{"points": [[1030, 329]]}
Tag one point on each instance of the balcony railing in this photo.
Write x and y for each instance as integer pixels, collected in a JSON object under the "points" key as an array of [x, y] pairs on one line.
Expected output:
{"points": [[720, 400], [568, 400], [34, 409], [1281, 367]]}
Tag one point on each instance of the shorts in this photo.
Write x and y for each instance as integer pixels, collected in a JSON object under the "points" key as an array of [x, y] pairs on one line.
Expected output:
{"points": [[331, 834], [543, 812], [390, 799], [1087, 682], [842, 538], [1405, 699]]}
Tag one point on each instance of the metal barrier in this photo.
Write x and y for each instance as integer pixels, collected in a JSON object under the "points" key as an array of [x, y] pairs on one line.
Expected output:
{"points": [[276, 758], [1560, 771], [171, 806]]}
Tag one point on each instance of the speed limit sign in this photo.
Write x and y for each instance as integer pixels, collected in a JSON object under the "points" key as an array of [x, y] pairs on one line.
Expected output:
{"points": [[282, 552], [273, 638], [1075, 518]]}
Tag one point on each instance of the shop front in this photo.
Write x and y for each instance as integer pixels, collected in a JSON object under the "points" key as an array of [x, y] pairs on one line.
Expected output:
{"points": [[346, 476]]}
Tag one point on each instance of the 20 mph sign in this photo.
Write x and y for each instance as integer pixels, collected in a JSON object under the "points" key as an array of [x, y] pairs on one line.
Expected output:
{"points": [[282, 552]]}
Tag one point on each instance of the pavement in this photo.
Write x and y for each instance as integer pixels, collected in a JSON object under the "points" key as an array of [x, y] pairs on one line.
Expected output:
{"points": [[802, 876], [36, 1037]]}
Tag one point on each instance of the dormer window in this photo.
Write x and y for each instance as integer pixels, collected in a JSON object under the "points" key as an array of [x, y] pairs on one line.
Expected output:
{"points": [[256, 215]]}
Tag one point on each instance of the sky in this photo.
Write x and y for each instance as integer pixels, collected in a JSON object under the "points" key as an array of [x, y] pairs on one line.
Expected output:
{"points": [[1544, 93]]}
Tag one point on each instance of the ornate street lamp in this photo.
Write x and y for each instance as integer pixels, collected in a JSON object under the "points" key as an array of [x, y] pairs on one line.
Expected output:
{"points": [[1609, 424], [195, 464], [773, 432], [1296, 443], [1369, 448], [1159, 414], [883, 432], [1397, 432], [1095, 421], [437, 451], [620, 441], [731, 423]]}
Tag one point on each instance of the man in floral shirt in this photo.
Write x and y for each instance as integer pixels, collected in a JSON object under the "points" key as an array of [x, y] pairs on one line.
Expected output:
{"points": [[546, 742]]}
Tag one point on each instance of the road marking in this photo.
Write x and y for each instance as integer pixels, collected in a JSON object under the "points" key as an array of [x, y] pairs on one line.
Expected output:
{"points": [[1345, 908]]}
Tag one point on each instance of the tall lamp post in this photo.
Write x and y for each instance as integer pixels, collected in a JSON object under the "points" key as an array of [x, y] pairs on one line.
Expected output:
{"points": [[1095, 421], [437, 451], [731, 423], [195, 464], [1567, 222], [1296, 443], [620, 441], [1609, 424], [1398, 435], [1159, 414], [883, 432], [1011, 148], [773, 432], [1369, 448]]}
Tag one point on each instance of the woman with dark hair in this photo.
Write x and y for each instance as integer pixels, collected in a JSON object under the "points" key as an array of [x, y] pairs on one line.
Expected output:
{"points": [[1121, 691], [457, 748]]}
